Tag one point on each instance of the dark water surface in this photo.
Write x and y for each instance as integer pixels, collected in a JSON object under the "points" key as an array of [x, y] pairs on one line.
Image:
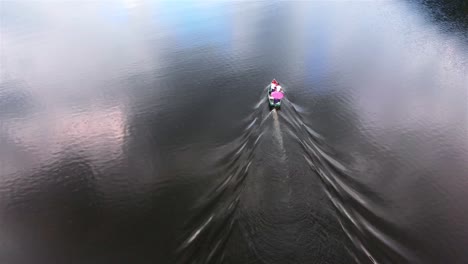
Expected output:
{"points": [[138, 132]]}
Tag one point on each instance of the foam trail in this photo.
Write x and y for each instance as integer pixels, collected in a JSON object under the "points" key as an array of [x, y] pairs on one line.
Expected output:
{"points": [[277, 130]]}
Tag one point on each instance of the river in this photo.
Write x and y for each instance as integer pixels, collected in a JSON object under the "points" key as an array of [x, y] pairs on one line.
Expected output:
{"points": [[139, 132]]}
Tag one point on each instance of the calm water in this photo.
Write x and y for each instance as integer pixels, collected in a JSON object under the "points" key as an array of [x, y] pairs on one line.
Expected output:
{"points": [[138, 132]]}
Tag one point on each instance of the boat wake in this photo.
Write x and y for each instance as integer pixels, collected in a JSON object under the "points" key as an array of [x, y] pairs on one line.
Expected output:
{"points": [[349, 196], [214, 215], [217, 214]]}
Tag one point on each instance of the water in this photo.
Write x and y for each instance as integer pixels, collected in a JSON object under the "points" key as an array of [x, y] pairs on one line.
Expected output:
{"points": [[139, 132]]}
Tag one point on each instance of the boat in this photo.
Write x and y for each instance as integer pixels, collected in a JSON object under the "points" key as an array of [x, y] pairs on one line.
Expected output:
{"points": [[272, 102]]}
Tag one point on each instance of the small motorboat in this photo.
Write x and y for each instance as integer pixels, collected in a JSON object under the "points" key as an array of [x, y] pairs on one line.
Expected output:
{"points": [[274, 94]]}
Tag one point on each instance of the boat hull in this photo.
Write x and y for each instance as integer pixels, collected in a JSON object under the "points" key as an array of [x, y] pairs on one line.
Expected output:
{"points": [[271, 102]]}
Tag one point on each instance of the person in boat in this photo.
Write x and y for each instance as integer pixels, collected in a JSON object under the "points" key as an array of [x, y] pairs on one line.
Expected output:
{"points": [[273, 85], [274, 99], [279, 88]]}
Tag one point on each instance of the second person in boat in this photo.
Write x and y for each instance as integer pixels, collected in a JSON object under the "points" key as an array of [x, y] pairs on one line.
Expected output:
{"points": [[279, 88]]}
